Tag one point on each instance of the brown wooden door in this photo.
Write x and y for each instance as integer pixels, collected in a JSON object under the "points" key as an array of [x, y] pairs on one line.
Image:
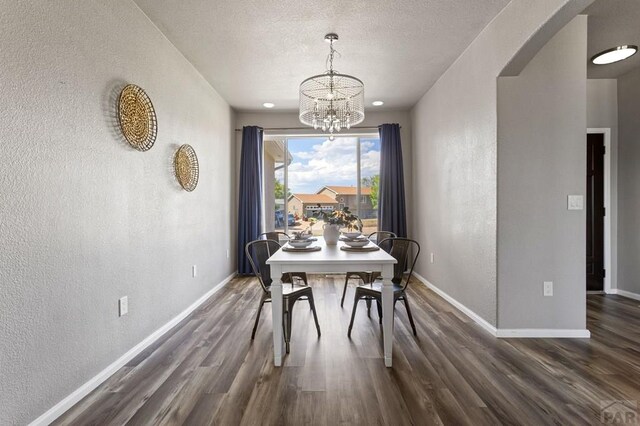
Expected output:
{"points": [[595, 212]]}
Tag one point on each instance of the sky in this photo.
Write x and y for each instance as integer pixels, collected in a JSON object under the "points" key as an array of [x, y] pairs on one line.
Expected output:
{"points": [[318, 162]]}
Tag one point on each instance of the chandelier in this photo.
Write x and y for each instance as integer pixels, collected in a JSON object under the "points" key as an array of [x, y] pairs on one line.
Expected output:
{"points": [[331, 101]]}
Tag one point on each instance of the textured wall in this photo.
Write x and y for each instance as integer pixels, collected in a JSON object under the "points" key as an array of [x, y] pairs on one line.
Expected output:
{"points": [[542, 159], [602, 112], [84, 219], [454, 156], [629, 181]]}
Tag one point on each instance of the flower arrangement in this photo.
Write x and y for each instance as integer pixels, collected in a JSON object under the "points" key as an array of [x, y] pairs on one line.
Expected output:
{"points": [[341, 218]]}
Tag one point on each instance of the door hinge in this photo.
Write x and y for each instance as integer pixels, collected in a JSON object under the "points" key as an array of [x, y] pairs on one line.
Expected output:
{"points": [[604, 273], [604, 150]]}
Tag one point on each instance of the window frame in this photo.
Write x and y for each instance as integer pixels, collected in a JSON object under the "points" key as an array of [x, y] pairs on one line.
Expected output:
{"points": [[286, 138]]}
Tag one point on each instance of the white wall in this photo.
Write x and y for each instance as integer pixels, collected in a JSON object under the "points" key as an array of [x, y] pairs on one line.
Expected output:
{"points": [[542, 159], [602, 112], [85, 219], [455, 154], [372, 119], [629, 182]]}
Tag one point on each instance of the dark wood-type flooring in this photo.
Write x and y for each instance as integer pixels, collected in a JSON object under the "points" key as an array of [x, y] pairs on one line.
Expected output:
{"points": [[208, 371]]}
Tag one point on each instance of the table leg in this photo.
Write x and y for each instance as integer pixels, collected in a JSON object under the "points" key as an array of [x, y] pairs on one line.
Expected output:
{"points": [[276, 313], [387, 312]]}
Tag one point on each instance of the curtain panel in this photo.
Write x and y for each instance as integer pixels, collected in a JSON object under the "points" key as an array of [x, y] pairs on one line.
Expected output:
{"points": [[392, 215], [249, 193]]}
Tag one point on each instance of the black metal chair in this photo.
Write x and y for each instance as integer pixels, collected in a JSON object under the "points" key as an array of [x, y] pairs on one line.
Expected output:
{"points": [[258, 252], [406, 252], [289, 276], [366, 277]]}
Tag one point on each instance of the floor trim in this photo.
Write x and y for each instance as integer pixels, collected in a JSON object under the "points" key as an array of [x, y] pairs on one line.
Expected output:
{"points": [[524, 333], [61, 407], [505, 332], [625, 293], [468, 312]]}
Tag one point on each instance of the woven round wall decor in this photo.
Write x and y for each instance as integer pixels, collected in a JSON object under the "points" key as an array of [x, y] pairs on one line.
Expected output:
{"points": [[137, 117], [186, 167]]}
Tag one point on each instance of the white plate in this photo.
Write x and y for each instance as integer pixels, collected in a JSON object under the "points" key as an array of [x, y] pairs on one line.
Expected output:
{"points": [[356, 243], [352, 235], [300, 243]]}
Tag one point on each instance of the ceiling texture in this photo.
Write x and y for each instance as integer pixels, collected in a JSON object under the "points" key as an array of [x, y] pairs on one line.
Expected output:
{"points": [[613, 23], [256, 51]]}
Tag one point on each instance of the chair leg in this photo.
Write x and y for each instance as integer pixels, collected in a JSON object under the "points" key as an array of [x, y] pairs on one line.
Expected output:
{"points": [[344, 291], [255, 326], [406, 305], [315, 316], [353, 314], [379, 305], [287, 329], [368, 307]]}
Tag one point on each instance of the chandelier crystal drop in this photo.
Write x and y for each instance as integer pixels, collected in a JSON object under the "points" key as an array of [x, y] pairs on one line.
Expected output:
{"points": [[331, 101]]}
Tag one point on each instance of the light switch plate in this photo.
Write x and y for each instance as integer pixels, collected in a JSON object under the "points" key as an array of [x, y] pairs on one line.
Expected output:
{"points": [[575, 202]]}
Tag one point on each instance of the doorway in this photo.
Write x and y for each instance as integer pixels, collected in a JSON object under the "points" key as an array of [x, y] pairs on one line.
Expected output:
{"points": [[596, 212]]}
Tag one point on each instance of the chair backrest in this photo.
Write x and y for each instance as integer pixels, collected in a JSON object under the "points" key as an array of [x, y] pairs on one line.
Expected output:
{"points": [[406, 252], [258, 252], [274, 235], [378, 236]]}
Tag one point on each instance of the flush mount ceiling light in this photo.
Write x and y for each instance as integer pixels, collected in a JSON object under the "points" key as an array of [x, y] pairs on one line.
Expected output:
{"points": [[331, 101], [377, 103], [268, 105], [615, 54]]}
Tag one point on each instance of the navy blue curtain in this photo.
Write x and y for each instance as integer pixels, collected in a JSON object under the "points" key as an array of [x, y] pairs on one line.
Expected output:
{"points": [[392, 214], [250, 193]]}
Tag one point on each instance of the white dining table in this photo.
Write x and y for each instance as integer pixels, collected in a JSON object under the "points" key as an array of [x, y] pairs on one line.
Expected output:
{"points": [[330, 259]]}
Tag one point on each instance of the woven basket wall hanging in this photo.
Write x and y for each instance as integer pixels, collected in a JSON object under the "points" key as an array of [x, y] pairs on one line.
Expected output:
{"points": [[186, 167], [137, 117]]}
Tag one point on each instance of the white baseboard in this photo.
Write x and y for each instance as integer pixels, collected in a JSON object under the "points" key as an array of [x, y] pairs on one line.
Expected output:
{"points": [[468, 312], [539, 333], [61, 407], [507, 333], [625, 293]]}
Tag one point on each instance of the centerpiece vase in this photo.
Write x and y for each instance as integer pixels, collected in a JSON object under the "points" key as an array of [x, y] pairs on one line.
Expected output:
{"points": [[331, 234]]}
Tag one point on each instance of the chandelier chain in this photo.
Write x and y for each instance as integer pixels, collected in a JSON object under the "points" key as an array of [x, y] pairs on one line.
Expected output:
{"points": [[330, 56]]}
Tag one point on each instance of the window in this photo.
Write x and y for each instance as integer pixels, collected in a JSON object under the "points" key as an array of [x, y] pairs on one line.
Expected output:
{"points": [[301, 173]]}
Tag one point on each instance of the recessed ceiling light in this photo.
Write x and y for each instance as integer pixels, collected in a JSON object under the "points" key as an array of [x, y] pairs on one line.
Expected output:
{"points": [[377, 103], [268, 105], [615, 54]]}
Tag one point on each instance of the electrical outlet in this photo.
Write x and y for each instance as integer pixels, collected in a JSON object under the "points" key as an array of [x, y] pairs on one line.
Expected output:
{"points": [[432, 257], [548, 288], [194, 271], [123, 306]]}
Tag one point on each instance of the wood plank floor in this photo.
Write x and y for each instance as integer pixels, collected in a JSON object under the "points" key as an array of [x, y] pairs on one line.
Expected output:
{"points": [[207, 371]]}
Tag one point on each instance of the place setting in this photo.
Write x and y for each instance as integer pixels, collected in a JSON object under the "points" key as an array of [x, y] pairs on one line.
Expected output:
{"points": [[301, 242], [356, 242]]}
